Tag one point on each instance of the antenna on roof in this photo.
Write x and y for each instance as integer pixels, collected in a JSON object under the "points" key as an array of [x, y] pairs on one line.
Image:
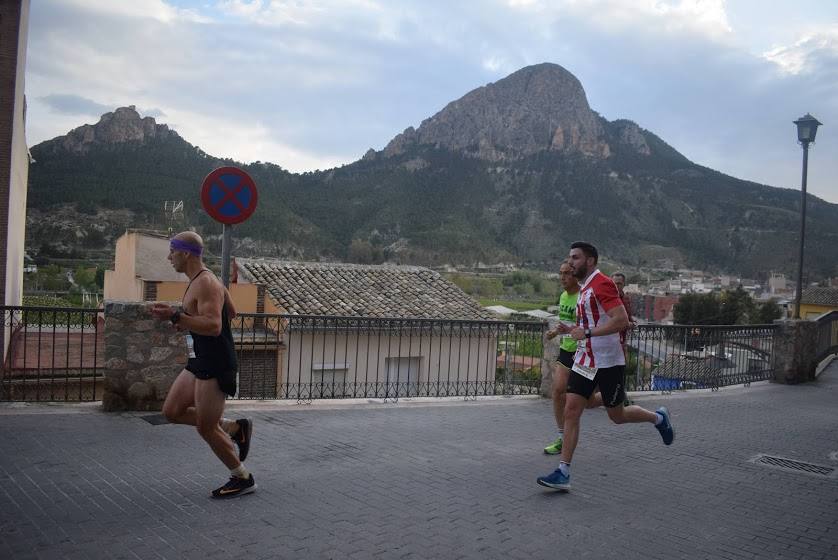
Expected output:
{"points": [[173, 210]]}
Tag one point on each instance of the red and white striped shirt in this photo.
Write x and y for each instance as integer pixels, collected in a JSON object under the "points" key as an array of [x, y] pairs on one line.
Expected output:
{"points": [[597, 296]]}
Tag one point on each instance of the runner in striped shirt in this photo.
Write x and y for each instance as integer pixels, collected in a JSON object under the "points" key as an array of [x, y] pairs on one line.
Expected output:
{"points": [[599, 361]]}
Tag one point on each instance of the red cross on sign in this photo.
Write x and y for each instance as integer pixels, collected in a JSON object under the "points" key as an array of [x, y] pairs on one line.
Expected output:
{"points": [[229, 195]]}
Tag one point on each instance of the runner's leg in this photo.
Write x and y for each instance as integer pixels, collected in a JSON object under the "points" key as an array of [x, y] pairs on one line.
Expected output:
{"points": [[179, 407], [574, 406], [209, 406], [559, 393]]}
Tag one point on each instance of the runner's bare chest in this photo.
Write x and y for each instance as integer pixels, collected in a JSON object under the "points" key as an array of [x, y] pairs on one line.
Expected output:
{"points": [[197, 285]]}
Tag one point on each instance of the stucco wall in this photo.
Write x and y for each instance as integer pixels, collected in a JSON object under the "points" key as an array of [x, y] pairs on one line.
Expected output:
{"points": [[313, 357], [809, 311]]}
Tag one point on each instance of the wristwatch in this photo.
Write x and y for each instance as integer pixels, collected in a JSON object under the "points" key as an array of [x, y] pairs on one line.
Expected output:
{"points": [[175, 317], [588, 333]]}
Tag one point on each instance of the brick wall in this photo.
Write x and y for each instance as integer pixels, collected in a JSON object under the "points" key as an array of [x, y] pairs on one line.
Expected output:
{"points": [[257, 373]]}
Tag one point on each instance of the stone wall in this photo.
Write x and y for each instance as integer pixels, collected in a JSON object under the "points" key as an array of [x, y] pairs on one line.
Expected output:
{"points": [[551, 354], [795, 346], [142, 357]]}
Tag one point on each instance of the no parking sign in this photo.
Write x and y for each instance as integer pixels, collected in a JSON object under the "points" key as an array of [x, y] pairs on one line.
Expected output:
{"points": [[229, 195]]}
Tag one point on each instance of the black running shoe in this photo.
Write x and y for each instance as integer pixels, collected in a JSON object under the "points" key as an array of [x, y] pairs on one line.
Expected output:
{"points": [[242, 437], [235, 487]]}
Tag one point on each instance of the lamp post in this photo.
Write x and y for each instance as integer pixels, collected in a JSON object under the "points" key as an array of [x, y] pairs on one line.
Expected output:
{"points": [[807, 128]]}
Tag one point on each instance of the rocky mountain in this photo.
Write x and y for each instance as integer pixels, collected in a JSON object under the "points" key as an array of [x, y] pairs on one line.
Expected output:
{"points": [[511, 172], [120, 127], [539, 108]]}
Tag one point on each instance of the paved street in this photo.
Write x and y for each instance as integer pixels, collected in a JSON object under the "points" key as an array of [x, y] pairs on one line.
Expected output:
{"points": [[453, 479]]}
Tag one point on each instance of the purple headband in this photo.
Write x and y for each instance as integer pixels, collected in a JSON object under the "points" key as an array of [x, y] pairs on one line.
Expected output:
{"points": [[178, 245]]}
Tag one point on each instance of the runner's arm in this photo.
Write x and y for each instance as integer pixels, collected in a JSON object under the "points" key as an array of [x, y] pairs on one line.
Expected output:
{"points": [[617, 321]]}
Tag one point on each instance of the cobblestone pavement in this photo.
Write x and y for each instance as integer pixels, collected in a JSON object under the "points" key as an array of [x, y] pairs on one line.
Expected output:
{"points": [[429, 480]]}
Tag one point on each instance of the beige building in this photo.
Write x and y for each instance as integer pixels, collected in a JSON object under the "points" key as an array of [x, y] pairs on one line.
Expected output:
{"points": [[142, 272], [14, 155], [341, 342]]}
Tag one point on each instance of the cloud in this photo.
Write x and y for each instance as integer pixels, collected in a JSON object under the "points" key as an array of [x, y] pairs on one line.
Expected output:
{"points": [[153, 113], [807, 54], [314, 84], [135, 9], [69, 104], [701, 17], [247, 142]]}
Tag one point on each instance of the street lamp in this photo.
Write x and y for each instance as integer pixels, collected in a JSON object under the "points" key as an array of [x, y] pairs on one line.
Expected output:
{"points": [[807, 128]]}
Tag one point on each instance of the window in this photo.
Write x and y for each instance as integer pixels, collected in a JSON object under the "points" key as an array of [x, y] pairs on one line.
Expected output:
{"points": [[329, 380], [403, 370]]}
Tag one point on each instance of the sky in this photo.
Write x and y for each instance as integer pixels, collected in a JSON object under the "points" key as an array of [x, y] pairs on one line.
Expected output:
{"points": [[314, 84]]}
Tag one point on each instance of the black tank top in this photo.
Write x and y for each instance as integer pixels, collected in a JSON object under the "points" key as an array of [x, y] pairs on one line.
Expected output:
{"points": [[214, 354]]}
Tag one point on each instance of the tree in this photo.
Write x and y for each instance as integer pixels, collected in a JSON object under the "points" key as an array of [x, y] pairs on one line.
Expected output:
{"points": [[737, 307], [85, 278], [768, 312], [360, 251], [698, 309], [100, 277]]}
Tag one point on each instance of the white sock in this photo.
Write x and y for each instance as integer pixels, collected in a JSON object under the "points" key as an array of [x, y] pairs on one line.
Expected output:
{"points": [[565, 468], [561, 433], [240, 472], [659, 418], [229, 426]]}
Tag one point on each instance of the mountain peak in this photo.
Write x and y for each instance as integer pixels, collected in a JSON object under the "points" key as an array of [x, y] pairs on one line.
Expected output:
{"points": [[123, 125], [540, 107]]}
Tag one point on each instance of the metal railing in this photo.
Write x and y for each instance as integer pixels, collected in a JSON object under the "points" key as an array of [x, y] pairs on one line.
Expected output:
{"points": [[330, 357], [58, 354], [51, 354], [672, 357], [827, 342]]}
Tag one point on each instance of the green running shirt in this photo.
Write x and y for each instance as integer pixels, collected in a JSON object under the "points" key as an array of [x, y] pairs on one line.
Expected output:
{"points": [[567, 313]]}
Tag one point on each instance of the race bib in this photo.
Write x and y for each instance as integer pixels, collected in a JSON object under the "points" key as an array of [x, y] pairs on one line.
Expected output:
{"points": [[190, 345], [585, 371]]}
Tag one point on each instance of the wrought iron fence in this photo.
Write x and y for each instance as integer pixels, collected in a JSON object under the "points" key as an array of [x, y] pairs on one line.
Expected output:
{"points": [[57, 354], [672, 357], [329, 357], [827, 325], [51, 354]]}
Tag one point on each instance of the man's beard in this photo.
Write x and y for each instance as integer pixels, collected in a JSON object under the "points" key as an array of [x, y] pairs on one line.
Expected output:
{"points": [[581, 272]]}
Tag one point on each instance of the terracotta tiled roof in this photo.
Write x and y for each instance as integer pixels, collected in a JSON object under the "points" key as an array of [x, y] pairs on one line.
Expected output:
{"points": [[360, 290], [820, 296]]}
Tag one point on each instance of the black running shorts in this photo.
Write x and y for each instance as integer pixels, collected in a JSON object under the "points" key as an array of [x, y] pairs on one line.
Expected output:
{"points": [[611, 382], [565, 358], [226, 379]]}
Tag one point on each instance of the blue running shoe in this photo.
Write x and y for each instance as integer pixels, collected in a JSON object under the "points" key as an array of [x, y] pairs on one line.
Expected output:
{"points": [[555, 480], [665, 427]]}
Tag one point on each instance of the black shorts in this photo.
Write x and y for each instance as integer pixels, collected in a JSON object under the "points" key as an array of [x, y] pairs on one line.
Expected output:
{"points": [[226, 379], [611, 382], [565, 358]]}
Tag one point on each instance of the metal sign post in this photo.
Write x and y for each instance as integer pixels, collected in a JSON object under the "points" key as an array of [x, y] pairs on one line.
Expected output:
{"points": [[229, 196], [226, 242]]}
